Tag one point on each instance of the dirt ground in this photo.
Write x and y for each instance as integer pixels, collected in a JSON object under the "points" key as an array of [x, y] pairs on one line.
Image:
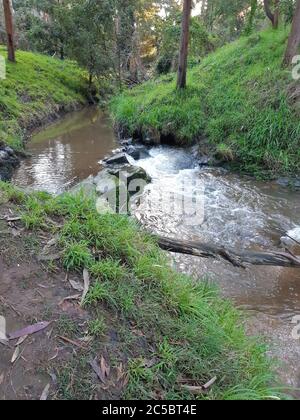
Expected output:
{"points": [[64, 360], [54, 363]]}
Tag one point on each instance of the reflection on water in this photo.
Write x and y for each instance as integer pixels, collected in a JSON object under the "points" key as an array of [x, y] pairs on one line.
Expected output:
{"points": [[67, 152]]}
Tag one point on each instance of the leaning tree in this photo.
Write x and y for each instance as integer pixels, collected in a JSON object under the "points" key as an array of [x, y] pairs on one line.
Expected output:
{"points": [[294, 39], [272, 15], [9, 30]]}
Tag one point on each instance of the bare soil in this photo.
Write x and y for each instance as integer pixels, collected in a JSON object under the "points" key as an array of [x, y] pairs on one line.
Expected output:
{"points": [[57, 358]]}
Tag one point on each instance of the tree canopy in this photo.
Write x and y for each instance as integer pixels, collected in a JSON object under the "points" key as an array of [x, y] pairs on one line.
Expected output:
{"points": [[126, 41]]}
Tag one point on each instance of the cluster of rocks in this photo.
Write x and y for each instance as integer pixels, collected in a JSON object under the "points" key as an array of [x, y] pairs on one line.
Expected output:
{"points": [[120, 180], [8, 162], [293, 183], [126, 153], [292, 240]]}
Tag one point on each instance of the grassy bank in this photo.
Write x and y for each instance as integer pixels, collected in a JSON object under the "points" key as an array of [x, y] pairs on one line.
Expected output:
{"points": [[239, 98], [169, 331], [36, 88]]}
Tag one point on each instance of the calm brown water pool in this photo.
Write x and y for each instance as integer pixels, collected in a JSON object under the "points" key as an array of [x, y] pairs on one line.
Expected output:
{"points": [[67, 152]]}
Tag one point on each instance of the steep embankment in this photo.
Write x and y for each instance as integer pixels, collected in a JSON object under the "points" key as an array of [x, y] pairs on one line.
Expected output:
{"points": [[160, 334], [35, 89], [239, 98]]}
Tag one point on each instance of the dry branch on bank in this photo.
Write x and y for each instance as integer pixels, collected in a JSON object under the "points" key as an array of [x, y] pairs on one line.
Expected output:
{"points": [[236, 258]]}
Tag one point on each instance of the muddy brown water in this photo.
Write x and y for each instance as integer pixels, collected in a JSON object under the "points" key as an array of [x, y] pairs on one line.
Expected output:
{"points": [[67, 152], [237, 211]]}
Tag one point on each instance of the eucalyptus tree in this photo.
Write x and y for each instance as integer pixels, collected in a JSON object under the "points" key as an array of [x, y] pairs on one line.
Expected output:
{"points": [[226, 17], [294, 38], [184, 44], [272, 8], [89, 26], [8, 16]]}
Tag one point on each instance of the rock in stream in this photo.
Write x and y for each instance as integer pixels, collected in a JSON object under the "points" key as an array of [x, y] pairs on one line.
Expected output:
{"points": [[8, 162]]}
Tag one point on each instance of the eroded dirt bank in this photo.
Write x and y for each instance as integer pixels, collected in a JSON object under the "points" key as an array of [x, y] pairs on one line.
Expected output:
{"points": [[54, 360]]}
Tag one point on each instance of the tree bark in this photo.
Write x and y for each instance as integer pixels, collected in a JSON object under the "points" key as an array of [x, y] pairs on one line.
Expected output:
{"points": [[9, 30], [235, 257], [274, 17], [276, 14], [294, 39], [185, 34]]}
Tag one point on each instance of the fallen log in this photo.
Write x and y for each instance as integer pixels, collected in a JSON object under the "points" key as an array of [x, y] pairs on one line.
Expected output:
{"points": [[235, 257]]}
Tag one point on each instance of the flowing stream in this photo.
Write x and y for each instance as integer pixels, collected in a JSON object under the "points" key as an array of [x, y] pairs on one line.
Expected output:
{"points": [[232, 210]]}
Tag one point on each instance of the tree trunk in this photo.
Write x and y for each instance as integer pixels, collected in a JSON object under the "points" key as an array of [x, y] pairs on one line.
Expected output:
{"points": [[237, 258], [9, 30], [276, 14], [274, 17], [294, 39], [90, 80], [185, 34], [62, 52]]}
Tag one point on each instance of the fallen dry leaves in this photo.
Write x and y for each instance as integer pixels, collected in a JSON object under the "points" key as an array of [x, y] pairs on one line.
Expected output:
{"points": [[31, 329], [16, 355], [86, 280], [102, 370]]}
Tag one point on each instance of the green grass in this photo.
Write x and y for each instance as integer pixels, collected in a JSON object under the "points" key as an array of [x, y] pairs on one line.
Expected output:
{"points": [[35, 88], [239, 97], [97, 327], [189, 333]]}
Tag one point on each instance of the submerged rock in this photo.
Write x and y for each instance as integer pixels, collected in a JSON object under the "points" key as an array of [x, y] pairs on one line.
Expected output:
{"points": [[152, 137], [8, 162], [137, 151], [109, 177], [129, 173], [117, 159], [292, 239], [121, 156], [106, 182], [289, 182], [204, 160], [126, 142]]}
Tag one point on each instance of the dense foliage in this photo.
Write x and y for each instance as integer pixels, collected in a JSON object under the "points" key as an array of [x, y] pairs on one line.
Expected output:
{"points": [[125, 40]]}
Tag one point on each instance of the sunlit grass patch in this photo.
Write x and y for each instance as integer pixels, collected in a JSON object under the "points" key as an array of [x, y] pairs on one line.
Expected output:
{"points": [[36, 87]]}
